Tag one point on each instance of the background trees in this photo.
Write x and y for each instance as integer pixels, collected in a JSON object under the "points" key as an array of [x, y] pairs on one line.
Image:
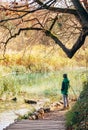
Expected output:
{"points": [[63, 21]]}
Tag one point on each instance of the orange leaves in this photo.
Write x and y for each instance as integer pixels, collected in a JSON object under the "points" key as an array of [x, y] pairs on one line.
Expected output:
{"points": [[8, 13]]}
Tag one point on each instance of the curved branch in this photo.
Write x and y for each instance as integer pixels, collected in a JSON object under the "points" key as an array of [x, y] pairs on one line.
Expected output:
{"points": [[16, 34], [56, 9], [20, 30], [69, 52], [64, 10]]}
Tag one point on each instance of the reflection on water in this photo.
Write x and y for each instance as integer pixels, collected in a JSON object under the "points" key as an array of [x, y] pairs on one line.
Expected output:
{"points": [[10, 110], [8, 117]]}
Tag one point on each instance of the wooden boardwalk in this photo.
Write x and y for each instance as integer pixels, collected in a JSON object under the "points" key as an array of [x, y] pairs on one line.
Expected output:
{"points": [[52, 121], [37, 125]]}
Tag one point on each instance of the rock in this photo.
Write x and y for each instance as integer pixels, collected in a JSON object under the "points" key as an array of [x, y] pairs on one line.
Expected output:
{"points": [[30, 101], [61, 102], [14, 99], [55, 106], [46, 110], [37, 115]]}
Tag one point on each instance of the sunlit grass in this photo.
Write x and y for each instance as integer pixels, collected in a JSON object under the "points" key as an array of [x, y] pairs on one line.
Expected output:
{"points": [[35, 85], [48, 83]]}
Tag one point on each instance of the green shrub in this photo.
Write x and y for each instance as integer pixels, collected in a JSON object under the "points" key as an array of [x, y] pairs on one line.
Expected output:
{"points": [[77, 118]]}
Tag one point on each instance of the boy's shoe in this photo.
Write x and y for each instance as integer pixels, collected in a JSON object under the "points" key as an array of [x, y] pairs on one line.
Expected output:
{"points": [[64, 108], [68, 107]]}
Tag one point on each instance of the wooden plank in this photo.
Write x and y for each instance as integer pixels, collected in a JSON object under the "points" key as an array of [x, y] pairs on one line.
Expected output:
{"points": [[37, 125], [46, 128], [38, 121], [36, 129]]}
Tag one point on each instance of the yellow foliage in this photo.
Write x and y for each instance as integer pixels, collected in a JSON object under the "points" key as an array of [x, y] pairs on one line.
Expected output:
{"points": [[44, 58]]}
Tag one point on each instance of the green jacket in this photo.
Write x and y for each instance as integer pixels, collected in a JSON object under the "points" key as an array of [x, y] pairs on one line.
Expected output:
{"points": [[65, 86]]}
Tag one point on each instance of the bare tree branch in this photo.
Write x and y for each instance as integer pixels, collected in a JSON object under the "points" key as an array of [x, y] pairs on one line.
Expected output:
{"points": [[81, 12], [69, 52], [55, 23]]}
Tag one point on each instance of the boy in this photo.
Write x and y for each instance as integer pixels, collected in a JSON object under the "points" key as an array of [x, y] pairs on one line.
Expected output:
{"points": [[64, 90]]}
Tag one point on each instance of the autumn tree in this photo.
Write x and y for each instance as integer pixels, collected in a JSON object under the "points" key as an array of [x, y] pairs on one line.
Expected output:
{"points": [[63, 21]]}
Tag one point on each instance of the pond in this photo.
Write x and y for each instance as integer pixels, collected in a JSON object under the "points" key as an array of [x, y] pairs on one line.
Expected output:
{"points": [[8, 117], [10, 111]]}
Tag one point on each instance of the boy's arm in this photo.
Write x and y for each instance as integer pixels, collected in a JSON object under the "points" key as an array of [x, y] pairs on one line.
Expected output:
{"points": [[62, 88]]}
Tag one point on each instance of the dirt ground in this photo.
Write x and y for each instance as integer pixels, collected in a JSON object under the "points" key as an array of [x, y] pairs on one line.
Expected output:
{"points": [[55, 115]]}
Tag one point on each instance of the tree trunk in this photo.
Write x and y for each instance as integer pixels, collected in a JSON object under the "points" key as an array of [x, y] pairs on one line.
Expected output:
{"points": [[82, 13]]}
